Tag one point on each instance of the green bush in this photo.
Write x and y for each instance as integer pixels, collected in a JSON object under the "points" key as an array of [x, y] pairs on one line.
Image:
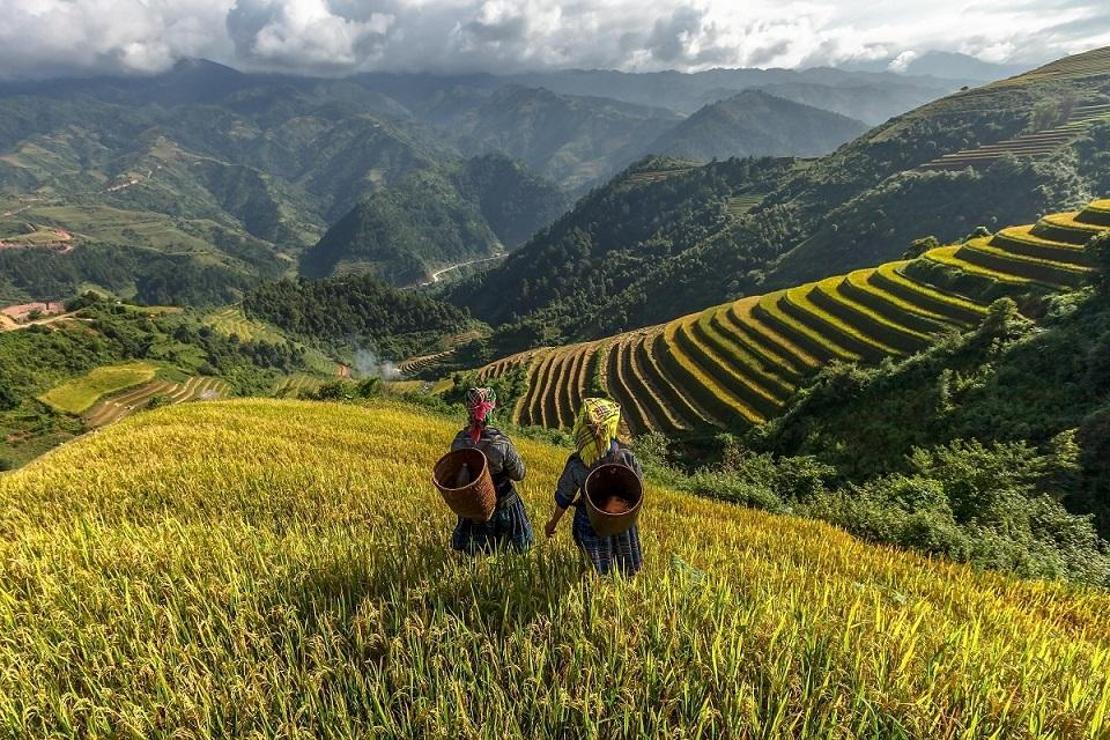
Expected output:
{"points": [[977, 504], [369, 387], [1099, 248], [157, 401], [920, 246]]}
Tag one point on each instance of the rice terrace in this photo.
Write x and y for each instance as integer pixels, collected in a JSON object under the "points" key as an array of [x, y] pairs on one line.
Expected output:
{"points": [[746, 359], [593, 370]]}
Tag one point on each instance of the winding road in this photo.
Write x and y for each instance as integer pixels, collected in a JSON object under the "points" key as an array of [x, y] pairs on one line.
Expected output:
{"points": [[437, 276]]}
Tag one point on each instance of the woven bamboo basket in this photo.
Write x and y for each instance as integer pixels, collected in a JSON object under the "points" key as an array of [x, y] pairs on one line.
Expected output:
{"points": [[462, 477], [614, 495]]}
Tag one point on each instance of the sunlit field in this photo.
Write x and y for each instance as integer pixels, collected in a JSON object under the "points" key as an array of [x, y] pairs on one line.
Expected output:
{"points": [[281, 567], [77, 395]]}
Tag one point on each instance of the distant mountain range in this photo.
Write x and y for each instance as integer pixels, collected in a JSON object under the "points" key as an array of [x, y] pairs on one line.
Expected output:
{"points": [[941, 64], [668, 237], [191, 185], [887, 93]]}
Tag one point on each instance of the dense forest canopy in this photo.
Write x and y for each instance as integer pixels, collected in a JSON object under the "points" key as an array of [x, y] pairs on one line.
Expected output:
{"points": [[353, 310]]}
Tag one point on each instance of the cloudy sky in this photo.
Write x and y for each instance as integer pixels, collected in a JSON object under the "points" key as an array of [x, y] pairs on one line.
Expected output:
{"points": [[53, 37]]}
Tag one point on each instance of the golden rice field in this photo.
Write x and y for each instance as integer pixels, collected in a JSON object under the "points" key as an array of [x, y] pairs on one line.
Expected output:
{"points": [[264, 567]]}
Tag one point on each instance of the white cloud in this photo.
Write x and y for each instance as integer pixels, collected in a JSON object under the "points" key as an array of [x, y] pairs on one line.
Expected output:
{"points": [[307, 33], [45, 37], [41, 37], [900, 62]]}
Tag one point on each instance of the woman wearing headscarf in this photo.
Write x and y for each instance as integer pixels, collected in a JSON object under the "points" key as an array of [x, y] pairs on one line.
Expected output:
{"points": [[595, 435], [509, 526]]}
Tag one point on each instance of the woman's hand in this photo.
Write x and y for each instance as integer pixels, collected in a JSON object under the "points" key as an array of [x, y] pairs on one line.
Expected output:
{"points": [[553, 522]]}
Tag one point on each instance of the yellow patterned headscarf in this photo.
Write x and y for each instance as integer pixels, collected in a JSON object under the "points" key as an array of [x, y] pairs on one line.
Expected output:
{"points": [[597, 425]]}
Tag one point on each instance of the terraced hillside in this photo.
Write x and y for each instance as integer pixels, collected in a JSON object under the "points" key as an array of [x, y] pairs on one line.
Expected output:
{"points": [[1037, 144], [197, 388], [231, 321], [414, 365], [739, 363], [294, 385]]}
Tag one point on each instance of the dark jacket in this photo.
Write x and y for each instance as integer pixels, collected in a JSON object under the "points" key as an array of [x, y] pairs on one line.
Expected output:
{"points": [[505, 463]]}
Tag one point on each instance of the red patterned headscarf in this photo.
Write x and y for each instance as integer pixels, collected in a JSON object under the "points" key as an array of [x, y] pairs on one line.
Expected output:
{"points": [[480, 402]]}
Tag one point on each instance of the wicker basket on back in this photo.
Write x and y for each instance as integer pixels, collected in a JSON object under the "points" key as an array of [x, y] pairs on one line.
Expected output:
{"points": [[613, 495], [463, 479]]}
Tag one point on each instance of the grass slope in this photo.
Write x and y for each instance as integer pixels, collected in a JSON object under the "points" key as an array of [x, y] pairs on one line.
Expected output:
{"points": [[77, 395], [164, 575]]}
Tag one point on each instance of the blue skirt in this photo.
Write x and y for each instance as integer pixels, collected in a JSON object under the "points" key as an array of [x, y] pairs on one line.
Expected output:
{"points": [[509, 528], [617, 553]]}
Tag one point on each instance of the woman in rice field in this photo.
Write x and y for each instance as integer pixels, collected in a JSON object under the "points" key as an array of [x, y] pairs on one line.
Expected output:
{"points": [[595, 435], [509, 526]]}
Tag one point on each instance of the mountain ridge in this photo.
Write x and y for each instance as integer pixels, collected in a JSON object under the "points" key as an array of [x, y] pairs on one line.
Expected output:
{"points": [[755, 122], [765, 226]]}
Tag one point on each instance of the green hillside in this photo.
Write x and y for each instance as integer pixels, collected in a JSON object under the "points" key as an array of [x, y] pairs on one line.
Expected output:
{"points": [[231, 177], [354, 313], [739, 365], [228, 184], [791, 223], [100, 362], [165, 576], [656, 210], [755, 123]]}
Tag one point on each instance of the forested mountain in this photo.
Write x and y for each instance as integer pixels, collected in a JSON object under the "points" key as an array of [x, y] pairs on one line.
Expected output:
{"points": [[191, 185], [355, 311], [433, 218], [871, 103], [1002, 153], [573, 140], [658, 209], [200, 177], [755, 123]]}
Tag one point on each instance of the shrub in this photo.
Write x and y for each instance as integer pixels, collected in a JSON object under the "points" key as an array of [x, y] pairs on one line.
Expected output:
{"points": [[980, 232], [981, 483], [759, 479], [9, 398], [978, 504], [335, 390], [734, 489], [1099, 248], [1004, 321], [157, 401], [369, 387], [911, 512], [920, 246]]}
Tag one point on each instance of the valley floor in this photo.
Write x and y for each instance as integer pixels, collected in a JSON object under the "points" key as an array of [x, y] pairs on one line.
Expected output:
{"points": [[281, 567]]}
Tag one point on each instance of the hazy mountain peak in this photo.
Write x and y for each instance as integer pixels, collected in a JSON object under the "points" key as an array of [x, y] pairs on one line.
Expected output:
{"points": [[756, 123]]}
